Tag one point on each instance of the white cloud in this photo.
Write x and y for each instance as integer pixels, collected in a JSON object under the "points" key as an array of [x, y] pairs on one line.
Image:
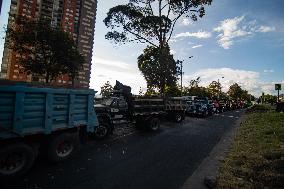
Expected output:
{"points": [[248, 80], [265, 29], [268, 71], [237, 28], [172, 40], [200, 34], [231, 29], [196, 46], [104, 70], [173, 52], [186, 22]]}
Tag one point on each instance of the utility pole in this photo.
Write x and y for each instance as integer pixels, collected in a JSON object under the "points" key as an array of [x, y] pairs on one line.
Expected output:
{"points": [[181, 77], [181, 73]]}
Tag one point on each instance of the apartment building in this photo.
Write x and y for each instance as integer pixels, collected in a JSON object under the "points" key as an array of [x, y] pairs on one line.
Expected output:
{"points": [[77, 17]]}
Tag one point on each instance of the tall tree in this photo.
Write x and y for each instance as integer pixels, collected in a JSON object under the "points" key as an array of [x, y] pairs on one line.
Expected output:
{"points": [[158, 68], [106, 90], [150, 21], [214, 89], [44, 50], [195, 90], [235, 91]]}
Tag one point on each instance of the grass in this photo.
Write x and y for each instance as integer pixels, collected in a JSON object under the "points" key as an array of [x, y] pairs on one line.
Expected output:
{"points": [[256, 159]]}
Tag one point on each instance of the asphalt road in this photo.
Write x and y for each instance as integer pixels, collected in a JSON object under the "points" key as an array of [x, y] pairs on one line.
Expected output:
{"points": [[134, 159]]}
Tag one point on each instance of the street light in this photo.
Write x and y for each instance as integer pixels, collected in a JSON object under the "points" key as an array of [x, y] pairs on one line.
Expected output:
{"points": [[181, 73]]}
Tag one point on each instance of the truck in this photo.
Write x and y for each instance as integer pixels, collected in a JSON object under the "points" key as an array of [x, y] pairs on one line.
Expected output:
{"points": [[41, 119], [201, 106], [145, 113]]}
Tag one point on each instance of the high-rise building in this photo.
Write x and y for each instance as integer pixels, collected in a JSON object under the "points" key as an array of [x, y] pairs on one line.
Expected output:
{"points": [[76, 17]]}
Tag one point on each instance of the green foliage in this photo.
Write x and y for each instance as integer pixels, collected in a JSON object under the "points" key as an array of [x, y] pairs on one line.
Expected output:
{"points": [[106, 90], [158, 68], [140, 93], [44, 50], [235, 91], [214, 89], [269, 98], [195, 90], [150, 92], [150, 21], [171, 91]]}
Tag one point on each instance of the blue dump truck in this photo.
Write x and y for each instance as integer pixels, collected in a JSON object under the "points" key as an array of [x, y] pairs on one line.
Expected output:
{"points": [[41, 119]]}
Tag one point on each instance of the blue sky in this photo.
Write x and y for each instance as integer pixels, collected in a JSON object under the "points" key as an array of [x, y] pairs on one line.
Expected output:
{"points": [[241, 40]]}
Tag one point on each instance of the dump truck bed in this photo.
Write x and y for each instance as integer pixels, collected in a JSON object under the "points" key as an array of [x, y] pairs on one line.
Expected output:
{"points": [[26, 110]]}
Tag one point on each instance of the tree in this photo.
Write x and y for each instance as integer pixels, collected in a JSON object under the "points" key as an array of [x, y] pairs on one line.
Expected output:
{"points": [[214, 89], [270, 98], [150, 21], [43, 50], [106, 90], [235, 91], [194, 82], [195, 90], [172, 91], [140, 93], [150, 92], [158, 68]]}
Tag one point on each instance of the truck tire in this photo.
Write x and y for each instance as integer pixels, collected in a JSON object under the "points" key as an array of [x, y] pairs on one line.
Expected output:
{"points": [[62, 146], [16, 160], [102, 131], [154, 124], [178, 117]]}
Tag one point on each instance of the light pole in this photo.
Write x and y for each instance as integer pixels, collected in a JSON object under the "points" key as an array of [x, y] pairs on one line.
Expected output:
{"points": [[181, 73]]}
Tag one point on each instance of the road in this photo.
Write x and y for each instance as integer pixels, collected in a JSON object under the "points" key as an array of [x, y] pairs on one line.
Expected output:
{"points": [[134, 159]]}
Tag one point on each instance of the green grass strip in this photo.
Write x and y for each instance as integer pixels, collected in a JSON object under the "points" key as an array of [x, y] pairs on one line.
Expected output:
{"points": [[256, 159]]}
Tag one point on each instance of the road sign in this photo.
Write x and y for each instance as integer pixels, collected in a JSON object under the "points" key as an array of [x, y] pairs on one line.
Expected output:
{"points": [[277, 86]]}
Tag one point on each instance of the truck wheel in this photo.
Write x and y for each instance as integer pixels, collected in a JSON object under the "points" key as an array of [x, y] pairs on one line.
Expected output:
{"points": [[154, 124], [62, 146], [178, 117], [102, 131], [16, 160]]}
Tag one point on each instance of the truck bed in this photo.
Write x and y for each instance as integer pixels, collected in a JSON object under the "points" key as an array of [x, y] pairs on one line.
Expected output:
{"points": [[26, 110]]}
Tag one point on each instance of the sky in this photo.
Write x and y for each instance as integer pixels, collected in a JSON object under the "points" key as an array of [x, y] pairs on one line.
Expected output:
{"points": [[238, 41]]}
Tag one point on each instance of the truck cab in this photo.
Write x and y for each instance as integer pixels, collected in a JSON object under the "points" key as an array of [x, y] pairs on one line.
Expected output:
{"points": [[202, 106], [115, 107]]}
